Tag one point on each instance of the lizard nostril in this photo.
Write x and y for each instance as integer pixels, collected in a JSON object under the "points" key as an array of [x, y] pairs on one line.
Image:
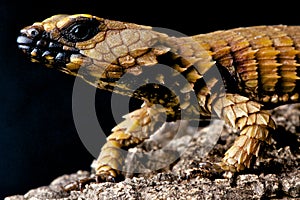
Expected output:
{"points": [[31, 33]]}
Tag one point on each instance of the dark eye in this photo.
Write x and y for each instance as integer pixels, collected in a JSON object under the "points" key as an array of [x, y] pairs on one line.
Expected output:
{"points": [[81, 30]]}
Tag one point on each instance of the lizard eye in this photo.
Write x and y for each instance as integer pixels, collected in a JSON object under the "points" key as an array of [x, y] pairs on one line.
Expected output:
{"points": [[81, 30]]}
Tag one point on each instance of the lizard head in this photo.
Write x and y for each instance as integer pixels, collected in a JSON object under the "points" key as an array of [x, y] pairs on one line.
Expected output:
{"points": [[97, 47], [102, 51]]}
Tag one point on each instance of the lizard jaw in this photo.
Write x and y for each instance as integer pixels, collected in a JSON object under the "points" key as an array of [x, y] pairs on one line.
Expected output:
{"points": [[37, 45]]}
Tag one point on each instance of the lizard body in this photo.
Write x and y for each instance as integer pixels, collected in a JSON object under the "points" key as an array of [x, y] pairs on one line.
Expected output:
{"points": [[259, 68]]}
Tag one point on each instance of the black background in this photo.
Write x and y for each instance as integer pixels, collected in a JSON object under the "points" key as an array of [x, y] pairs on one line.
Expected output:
{"points": [[38, 139]]}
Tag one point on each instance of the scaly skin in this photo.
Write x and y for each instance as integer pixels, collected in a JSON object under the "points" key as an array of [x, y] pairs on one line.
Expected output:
{"points": [[259, 67]]}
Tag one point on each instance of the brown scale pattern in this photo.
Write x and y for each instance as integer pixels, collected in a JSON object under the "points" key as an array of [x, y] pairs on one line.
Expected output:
{"points": [[265, 60]]}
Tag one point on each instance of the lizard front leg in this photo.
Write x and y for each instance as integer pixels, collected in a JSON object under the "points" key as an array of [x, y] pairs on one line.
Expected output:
{"points": [[254, 125], [136, 127]]}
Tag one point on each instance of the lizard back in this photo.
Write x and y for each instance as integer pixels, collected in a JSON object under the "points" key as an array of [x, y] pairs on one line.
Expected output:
{"points": [[260, 62]]}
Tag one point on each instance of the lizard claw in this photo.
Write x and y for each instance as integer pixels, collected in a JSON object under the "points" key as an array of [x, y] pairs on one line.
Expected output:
{"points": [[211, 169], [105, 178], [79, 184], [108, 176], [204, 169]]}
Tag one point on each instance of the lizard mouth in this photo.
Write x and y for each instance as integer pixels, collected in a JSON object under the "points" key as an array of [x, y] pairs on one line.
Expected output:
{"points": [[37, 45]]}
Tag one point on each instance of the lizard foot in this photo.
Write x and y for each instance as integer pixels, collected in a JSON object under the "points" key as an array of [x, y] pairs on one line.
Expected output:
{"points": [[81, 183], [204, 169]]}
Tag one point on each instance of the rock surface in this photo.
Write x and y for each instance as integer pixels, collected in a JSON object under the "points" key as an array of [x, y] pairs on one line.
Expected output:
{"points": [[276, 175]]}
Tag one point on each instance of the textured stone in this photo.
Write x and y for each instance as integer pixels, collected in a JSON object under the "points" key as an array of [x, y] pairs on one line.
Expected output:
{"points": [[277, 175]]}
